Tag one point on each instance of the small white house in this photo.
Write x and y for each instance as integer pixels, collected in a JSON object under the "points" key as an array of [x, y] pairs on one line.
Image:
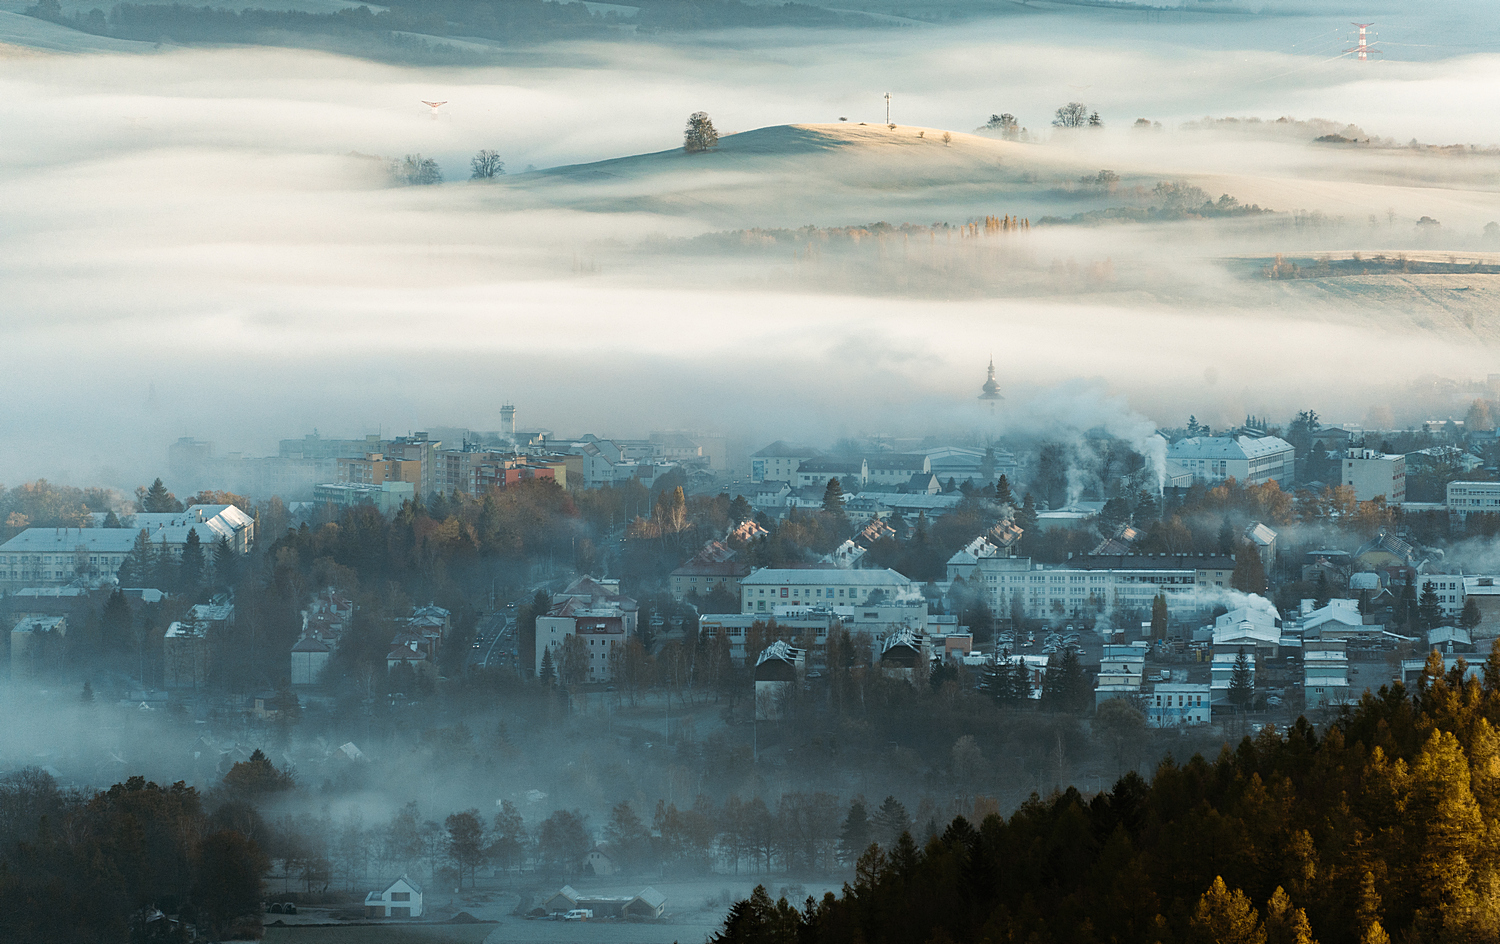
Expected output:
{"points": [[601, 862], [401, 899]]}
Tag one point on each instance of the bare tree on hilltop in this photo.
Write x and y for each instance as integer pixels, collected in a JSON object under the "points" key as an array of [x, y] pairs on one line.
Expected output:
{"points": [[700, 134], [1071, 115], [486, 165]]}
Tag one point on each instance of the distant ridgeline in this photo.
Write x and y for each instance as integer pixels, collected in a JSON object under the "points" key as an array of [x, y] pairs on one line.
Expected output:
{"points": [[1171, 200], [1325, 267], [1381, 830], [978, 228], [504, 21]]}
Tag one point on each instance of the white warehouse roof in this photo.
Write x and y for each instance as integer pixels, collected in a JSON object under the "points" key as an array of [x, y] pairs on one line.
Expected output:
{"points": [[1227, 447], [768, 576]]}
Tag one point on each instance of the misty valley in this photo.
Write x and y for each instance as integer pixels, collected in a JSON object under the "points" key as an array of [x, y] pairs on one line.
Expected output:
{"points": [[740, 472]]}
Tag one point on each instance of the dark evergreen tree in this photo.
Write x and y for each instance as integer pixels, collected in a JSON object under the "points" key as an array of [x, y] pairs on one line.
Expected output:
{"points": [[1470, 618], [190, 568], [112, 520], [1159, 617], [740, 510], [1066, 686], [226, 564], [1429, 609], [1003, 495], [833, 498], [1249, 575], [890, 823], [854, 835], [1241, 681], [157, 499], [115, 625], [136, 569]]}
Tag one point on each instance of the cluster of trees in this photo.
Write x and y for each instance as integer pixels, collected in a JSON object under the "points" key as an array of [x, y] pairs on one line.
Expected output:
{"points": [[97, 867], [1076, 115], [700, 134], [1377, 830], [414, 170], [1005, 125]]}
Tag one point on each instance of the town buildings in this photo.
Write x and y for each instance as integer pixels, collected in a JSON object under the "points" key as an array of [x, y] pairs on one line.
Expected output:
{"points": [[763, 589], [1373, 474], [598, 615], [1247, 460], [1179, 704]]}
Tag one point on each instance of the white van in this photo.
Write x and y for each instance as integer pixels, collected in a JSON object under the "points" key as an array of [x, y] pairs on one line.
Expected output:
{"points": [[579, 914]]}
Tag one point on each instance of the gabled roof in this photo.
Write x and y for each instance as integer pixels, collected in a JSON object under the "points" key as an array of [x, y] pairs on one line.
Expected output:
{"points": [[1385, 541], [1260, 535], [783, 449], [651, 897]]}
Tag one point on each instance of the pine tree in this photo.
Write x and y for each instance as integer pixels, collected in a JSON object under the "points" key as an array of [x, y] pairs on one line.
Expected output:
{"points": [[163, 566], [890, 823], [135, 569], [1025, 519], [1429, 609], [1285, 924], [112, 520], [87, 697], [191, 567], [1159, 617], [833, 499], [1226, 538], [1406, 605], [1225, 917], [115, 624], [1249, 574], [1003, 494], [1241, 682], [740, 510], [549, 670], [226, 564], [1470, 618], [157, 499], [1065, 687], [854, 835]]}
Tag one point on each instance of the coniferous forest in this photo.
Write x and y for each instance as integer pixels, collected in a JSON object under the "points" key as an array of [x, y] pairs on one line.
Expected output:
{"points": [[1383, 828]]}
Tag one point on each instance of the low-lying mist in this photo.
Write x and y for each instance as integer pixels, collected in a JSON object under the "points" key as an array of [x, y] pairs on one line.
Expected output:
{"points": [[207, 242]]}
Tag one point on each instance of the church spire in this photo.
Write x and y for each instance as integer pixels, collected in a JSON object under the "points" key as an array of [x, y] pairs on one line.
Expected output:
{"points": [[991, 389]]}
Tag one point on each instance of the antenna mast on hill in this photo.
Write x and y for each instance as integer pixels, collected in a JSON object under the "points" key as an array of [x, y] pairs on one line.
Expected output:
{"points": [[887, 107], [1363, 47]]}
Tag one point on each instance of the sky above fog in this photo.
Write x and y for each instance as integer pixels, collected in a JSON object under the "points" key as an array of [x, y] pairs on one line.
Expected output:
{"points": [[187, 249]]}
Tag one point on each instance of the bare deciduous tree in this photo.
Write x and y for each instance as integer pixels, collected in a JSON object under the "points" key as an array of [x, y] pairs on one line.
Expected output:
{"points": [[1071, 115], [486, 165]]}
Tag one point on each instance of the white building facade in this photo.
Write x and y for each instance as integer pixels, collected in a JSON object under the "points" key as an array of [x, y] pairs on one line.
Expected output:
{"points": [[1247, 460]]}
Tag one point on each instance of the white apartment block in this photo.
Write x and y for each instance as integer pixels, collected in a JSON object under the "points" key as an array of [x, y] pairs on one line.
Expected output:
{"points": [[769, 587], [1373, 474], [1466, 498], [50, 557], [1176, 704], [1246, 460], [1068, 592]]}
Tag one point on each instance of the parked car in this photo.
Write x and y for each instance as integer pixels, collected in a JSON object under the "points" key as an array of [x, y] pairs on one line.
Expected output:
{"points": [[579, 914]]}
